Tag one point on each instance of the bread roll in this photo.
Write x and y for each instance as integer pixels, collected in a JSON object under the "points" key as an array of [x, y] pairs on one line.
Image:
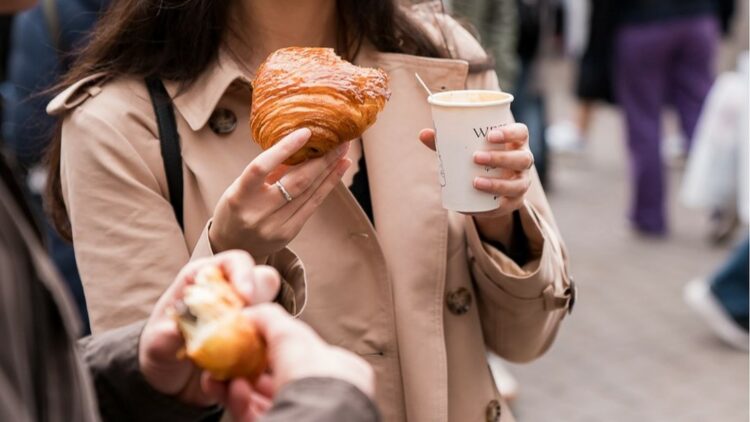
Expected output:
{"points": [[218, 338]]}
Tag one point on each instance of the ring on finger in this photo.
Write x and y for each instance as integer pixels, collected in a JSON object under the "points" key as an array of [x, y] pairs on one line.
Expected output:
{"points": [[284, 192]]}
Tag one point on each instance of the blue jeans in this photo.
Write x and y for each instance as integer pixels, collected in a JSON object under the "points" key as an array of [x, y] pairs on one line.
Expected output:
{"points": [[730, 284]]}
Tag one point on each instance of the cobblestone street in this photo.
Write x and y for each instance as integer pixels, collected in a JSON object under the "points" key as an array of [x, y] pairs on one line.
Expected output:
{"points": [[632, 351]]}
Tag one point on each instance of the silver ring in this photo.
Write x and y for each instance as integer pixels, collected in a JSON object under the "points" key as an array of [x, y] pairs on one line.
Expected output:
{"points": [[531, 164], [283, 191]]}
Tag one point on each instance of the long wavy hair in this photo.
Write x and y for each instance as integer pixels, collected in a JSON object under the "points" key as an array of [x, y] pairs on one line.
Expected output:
{"points": [[145, 38]]}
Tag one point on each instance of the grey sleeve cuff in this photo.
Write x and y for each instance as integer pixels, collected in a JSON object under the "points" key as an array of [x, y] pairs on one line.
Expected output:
{"points": [[321, 399], [122, 392]]}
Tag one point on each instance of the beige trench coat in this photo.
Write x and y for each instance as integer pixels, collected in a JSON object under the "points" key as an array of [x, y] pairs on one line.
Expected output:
{"points": [[380, 293]]}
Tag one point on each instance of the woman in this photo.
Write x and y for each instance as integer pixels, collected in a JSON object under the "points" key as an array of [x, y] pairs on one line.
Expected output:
{"points": [[418, 297]]}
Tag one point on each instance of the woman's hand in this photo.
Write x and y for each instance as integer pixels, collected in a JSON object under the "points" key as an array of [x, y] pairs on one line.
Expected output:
{"points": [[516, 160], [255, 215], [161, 339]]}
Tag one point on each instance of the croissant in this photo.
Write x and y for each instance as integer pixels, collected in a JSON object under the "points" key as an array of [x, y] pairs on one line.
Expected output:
{"points": [[218, 338], [313, 87]]}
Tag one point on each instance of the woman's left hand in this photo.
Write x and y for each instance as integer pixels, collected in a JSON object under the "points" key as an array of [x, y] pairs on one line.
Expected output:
{"points": [[512, 186]]}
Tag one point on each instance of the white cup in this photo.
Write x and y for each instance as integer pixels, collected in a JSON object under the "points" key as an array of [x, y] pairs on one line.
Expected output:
{"points": [[462, 120]]}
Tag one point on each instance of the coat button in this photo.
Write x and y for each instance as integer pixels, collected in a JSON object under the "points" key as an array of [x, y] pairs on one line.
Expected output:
{"points": [[222, 121], [459, 301], [494, 410]]}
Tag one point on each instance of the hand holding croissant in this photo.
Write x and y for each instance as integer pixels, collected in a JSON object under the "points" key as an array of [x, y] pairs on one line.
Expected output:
{"points": [[314, 88]]}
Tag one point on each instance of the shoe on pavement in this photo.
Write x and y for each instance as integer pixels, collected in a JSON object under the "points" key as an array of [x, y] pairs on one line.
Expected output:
{"points": [[564, 137], [699, 297], [674, 151]]}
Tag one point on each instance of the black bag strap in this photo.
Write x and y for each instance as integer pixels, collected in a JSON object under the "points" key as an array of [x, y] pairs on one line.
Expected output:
{"points": [[169, 139]]}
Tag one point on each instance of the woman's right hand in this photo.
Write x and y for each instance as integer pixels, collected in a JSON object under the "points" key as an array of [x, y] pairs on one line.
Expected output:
{"points": [[253, 214]]}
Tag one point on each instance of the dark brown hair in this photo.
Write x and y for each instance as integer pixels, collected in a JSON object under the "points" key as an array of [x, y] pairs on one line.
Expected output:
{"points": [[148, 37]]}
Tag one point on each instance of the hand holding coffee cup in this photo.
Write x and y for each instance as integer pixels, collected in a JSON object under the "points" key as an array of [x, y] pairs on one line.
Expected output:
{"points": [[484, 156], [516, 161]]}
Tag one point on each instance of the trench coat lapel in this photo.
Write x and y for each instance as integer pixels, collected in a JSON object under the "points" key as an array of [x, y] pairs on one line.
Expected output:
{"points": [[412, 226]]}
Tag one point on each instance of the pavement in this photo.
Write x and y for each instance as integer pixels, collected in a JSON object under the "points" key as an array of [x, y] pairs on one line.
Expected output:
{"points": [[631, 350]]}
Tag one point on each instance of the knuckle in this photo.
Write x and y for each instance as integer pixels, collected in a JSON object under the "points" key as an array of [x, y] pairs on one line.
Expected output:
{"points": [[317, 199], [521, 187], [499, 185], [498, 160], [283, 235], [287, 147], [232, 199], [264, 232], [255, 170], [301, 182]]}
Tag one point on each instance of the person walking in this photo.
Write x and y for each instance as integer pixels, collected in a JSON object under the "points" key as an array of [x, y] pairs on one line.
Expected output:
{"points": [[378, 266], [664, 55], [717, 177], [496, 22], [722, 300]]}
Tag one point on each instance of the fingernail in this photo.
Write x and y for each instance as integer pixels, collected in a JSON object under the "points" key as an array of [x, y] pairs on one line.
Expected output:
{"points": [[304, 132], [482, 183], [482, 157], [496, 135]]}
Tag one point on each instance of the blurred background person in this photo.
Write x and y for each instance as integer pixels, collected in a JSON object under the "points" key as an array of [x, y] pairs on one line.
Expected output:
{"points": [[495, 23], [722, 300], [512, 32], [589, 24], [40, 50], [664, 55], [536, 25], [717, 178]]}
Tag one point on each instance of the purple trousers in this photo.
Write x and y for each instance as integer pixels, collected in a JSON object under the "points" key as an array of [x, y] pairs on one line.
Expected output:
{"points": [[659, 64]]}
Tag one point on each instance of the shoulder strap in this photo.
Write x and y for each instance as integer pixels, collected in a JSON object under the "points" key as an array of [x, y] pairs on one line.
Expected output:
{"points": [[169, 139]]}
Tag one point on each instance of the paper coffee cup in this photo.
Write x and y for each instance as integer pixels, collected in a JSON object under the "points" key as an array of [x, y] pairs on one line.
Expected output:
{"points": [[462, 121]]}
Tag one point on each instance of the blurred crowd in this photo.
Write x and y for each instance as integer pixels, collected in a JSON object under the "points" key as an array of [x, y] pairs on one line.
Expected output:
{"points": [[641, 56]]}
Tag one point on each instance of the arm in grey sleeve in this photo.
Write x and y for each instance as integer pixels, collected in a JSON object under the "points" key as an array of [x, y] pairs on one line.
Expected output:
{"points": [[321, 400], [122, 392]]}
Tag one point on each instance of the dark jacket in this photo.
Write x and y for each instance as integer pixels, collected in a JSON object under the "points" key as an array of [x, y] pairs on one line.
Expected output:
{"points": [[45, 376], [645, 11], [43, 39], [40, 52]]}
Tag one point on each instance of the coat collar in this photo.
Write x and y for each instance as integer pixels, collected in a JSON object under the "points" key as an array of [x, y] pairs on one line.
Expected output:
{"points": [[197, 101]]}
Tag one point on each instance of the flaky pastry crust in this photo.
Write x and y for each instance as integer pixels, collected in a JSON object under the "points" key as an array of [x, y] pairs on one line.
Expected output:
{"points": [[300, 87]]}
